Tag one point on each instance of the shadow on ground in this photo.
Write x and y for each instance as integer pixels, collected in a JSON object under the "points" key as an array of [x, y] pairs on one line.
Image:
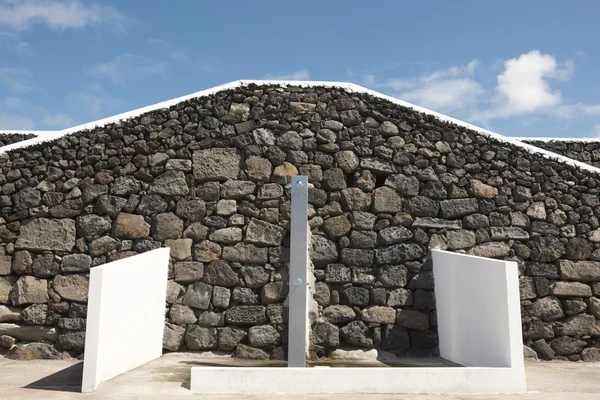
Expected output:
{"points": [[65, 380]]}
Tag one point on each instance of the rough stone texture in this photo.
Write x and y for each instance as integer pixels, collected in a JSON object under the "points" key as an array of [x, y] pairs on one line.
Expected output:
{"points": [[35, 351], [246, 315], [263, 336], [207, 175], [379, 315], [130, 226], [198, 295], [326, 334], [356, 333], [582, 271], [591, 355], [547, 309], [76, 263], [264, 233], [29, 290], [413, 319], [250, 353], [10, 138], [10, 314], [206, 169], [47, 234], [31, 333], [173, 337], [72, 287], [200, 338], [230, 337], [570, 289], [338, 314]]}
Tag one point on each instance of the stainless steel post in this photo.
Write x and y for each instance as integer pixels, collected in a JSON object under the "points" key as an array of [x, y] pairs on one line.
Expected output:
{"points": [[298, 298]]}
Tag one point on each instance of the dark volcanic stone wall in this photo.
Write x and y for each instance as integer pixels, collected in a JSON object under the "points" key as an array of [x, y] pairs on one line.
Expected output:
{"points": [[10, 138], [206, 178], [585, 151]]}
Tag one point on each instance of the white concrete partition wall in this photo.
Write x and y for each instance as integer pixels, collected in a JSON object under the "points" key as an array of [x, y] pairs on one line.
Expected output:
{"points": [[125, 318], [479, 312]]}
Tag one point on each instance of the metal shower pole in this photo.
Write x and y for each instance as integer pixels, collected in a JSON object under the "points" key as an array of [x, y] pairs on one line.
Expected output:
{"points": [[298, 298]]}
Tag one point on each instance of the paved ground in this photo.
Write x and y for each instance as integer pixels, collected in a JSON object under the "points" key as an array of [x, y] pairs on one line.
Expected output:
{"points": [[169, 376]]}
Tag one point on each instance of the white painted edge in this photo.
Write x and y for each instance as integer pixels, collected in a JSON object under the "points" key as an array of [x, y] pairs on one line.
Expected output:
{"points": [[281, 380], [558, 139], [17, 132], [350, 87]]}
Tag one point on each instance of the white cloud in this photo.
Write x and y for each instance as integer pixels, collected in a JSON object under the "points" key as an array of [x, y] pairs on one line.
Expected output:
{"points": [[524, 87], [58, 121], [445, 89], [126, 68], [300, 75], [596, 131], [70, 14], [16, 122]]}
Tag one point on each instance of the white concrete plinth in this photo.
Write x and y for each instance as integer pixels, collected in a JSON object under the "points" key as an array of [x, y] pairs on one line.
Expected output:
{"points": [[240, 380]]}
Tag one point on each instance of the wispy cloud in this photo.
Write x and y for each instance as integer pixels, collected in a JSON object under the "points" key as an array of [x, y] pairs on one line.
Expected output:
{"points": [[95, 100], [445, 89], [299, 75], [14, 43], [23, 114], [16, 121], [58, 121], [13, 102], [17, 79], [171, 50], [60, 15], [127, 68]]}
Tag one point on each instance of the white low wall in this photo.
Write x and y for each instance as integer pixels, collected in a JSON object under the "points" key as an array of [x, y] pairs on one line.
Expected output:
{"points": [[479, 327], [478, 310], [125, 319], [240, 380]]}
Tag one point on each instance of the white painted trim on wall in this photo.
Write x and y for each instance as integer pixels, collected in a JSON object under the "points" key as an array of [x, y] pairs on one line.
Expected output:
{"points": [[350, 87], [126, 316], [567, 140], [17, 132]]}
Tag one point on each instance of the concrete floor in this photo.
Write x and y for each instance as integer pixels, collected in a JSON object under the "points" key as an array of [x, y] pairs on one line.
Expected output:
{"points": [[168, 377]]}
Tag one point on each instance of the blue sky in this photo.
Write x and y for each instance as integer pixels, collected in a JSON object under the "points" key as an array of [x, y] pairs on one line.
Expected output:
{"points": [[520, 68]]}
